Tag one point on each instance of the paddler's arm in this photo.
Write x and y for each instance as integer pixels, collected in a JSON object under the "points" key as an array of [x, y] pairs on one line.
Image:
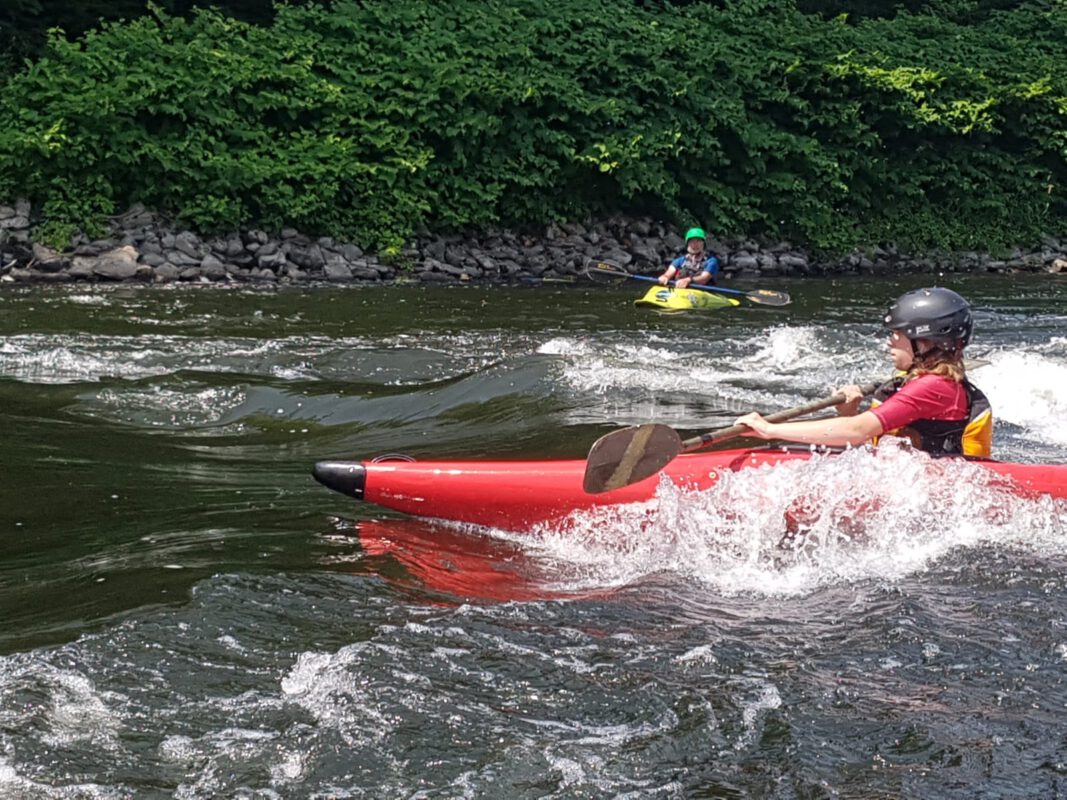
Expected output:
{"points": [[833, 432], [707, 275], [703, 278]]}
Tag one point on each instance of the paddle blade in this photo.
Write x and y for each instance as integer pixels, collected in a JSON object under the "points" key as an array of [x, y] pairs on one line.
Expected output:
{"points": [[605, 272], [629, 455], [768, 297]]}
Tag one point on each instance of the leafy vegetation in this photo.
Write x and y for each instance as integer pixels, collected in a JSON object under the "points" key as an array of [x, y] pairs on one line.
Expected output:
{"points": [[368, 120]]}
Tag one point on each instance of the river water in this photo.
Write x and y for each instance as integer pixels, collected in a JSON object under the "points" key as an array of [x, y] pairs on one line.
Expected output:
{"points": [[185, 613]]}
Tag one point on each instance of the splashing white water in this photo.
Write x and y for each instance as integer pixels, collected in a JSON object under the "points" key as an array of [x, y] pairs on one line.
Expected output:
{"points": [[799, 525], [1029, 389]]}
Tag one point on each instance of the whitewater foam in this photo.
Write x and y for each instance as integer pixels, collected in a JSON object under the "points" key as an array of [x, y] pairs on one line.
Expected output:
{"points": [[794, 527]]}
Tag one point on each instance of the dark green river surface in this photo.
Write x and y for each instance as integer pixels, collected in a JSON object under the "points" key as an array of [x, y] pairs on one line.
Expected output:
{"points": [[185, 613]]}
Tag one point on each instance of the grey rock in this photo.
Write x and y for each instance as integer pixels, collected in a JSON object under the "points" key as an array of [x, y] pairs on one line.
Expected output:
{"points": [[188, 243], [350, 252], [429, 276], [274, 261], [744, 261], [336, 269], [212, 268], [153, 259], [316, 259], [435, 249], [268, 249], [255, 237], [619, 256], [20, 275], [537, 265], [234, 247], [290, 233], [455, 256], [794, 261], [52, 277], [48, 260], [22, 207], [166, 273], [643, 252], [119, 264], [14, 223], [151, 247], [366, 273], [7, 212], [81, 268], [442, 266], [189, 274], [181, 259], [167, 241], [673, 241], [485, 262]]}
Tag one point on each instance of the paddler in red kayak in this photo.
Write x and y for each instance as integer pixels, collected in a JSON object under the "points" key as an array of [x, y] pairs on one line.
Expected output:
{"points": [[930, 401], [696, 266]]}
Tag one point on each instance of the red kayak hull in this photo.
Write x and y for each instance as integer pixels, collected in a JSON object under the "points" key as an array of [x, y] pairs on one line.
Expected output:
{"points": [[517, 495]]}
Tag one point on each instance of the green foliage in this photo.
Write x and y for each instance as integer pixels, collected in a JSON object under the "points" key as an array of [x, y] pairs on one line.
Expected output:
{"points": [[367, 120]]}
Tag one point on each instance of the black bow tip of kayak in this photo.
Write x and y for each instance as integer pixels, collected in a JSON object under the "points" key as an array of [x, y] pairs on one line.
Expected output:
{"points": [[347, 477]]}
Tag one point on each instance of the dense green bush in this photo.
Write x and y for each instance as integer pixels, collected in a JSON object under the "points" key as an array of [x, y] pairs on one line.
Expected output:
{"points": [[369, 120]]}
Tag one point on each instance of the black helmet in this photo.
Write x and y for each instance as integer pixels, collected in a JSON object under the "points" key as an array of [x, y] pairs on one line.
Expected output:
{"points": [[938, 315]]}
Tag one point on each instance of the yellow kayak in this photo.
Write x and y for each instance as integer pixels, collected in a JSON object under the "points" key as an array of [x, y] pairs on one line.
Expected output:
{"points": [[669, 300]]}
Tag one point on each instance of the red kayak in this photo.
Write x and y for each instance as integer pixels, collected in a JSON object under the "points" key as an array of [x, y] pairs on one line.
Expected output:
{"points": [[516, 495]]}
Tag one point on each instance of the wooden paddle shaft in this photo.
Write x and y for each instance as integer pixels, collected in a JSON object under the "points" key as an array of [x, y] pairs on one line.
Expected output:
{"points": [[781, 416]]}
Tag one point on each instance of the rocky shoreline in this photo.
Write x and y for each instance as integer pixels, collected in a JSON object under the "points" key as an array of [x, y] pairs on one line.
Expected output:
{"points": [[143, 247]]}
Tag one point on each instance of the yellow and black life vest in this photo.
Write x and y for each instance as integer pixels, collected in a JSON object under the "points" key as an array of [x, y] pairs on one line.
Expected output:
{"points": [[970, 436]]}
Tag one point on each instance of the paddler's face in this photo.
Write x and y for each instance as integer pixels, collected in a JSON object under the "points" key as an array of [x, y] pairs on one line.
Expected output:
{"points": [[696, 246], [900, 350]]}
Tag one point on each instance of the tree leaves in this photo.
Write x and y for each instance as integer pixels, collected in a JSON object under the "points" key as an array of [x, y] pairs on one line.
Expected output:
{"points": [[368, 120]]}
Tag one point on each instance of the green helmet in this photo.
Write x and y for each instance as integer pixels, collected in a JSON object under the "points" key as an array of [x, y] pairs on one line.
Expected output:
{"points": [[695, 233]]}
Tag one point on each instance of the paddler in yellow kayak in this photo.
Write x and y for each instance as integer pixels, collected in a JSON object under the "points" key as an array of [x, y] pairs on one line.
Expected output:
{"points": [[930, 401], [696, 266]]}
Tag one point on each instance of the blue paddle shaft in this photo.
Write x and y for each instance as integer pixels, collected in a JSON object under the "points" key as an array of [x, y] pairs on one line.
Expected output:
{"points": [[700, 286]]}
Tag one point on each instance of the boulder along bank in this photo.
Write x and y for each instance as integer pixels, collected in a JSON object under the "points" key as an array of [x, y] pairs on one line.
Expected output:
{"points": [[142, 247]]}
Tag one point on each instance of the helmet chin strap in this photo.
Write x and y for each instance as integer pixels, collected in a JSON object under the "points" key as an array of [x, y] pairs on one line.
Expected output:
{"points": [[920, 354], [932, 350]]}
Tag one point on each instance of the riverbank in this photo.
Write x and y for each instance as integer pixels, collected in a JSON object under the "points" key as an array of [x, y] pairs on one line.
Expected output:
{"points": [[143, 247]]}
